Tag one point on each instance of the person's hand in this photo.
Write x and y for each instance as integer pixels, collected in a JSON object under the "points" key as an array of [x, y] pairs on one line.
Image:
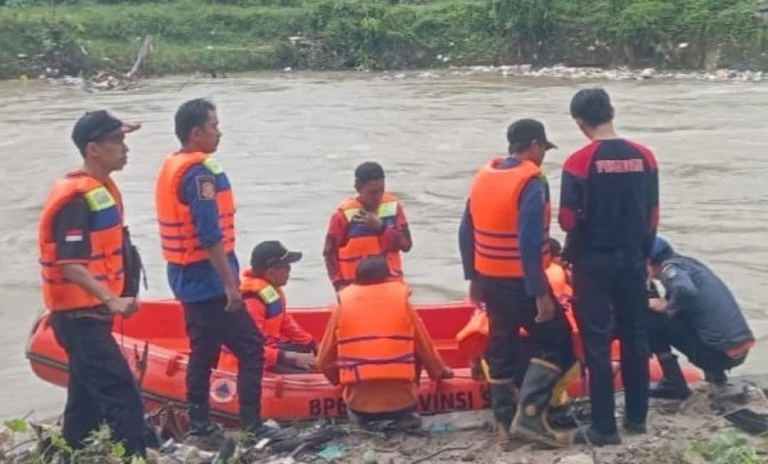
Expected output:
{"points": [[476, 291], [658, 305], [368, 219], [124, 306], [476, 370], [447, 373], [234, 299], [303, 361], [545, 307]]}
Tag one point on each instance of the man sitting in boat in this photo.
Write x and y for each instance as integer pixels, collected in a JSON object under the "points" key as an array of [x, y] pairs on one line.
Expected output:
{"points": [[288, 348], [372, 343], [372, 223], [698, 316]]}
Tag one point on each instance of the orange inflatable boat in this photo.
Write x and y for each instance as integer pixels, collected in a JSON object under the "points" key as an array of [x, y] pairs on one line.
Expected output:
{"points": [[154, 343]]}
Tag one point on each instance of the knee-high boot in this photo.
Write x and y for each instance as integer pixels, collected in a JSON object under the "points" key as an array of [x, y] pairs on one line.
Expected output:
{"points": [[531, 420]]}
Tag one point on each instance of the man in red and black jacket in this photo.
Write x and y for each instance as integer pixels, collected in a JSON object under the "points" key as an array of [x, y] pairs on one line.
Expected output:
{"points": [[609, 209]]}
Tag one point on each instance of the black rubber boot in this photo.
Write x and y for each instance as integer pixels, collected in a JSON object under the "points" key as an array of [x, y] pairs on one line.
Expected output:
{"points": [[503, 401], [590, 436], [255, 429], [531, 420], [503, 404], [716, 377], [203, 433], [672, 385], [635, 428]]}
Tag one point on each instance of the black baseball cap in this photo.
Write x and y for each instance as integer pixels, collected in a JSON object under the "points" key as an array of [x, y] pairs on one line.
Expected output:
{"points": [[271, 252], [524, 130], [96, 124]]}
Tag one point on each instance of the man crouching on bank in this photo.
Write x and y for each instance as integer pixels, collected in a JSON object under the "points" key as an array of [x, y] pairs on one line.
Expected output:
{"points": [[371, 346]]}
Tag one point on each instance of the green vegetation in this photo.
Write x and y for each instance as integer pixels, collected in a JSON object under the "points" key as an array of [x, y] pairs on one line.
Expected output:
{"points": [[236, 35], [729, 447], [22, 442]]}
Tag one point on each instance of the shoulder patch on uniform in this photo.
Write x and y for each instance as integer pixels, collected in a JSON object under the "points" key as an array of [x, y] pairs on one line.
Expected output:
{"points": [[213, 165], [669, 271], [269, 295], [206, 187]]}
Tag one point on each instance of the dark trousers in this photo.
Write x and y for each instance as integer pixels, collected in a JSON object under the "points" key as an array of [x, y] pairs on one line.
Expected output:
{"points": [[509, 308], [101, 385], [610, 298], [678, 332], [208, 327]]}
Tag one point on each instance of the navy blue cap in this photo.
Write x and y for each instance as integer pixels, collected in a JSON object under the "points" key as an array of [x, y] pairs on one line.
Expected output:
{"points": [[661, 250]]}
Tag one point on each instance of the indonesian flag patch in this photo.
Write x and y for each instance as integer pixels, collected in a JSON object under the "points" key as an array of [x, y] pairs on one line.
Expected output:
{"points": [[74, 235]]}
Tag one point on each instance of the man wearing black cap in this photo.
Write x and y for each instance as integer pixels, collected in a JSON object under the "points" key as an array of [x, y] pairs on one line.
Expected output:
{"points": [[609, 209], [288, 348], [371, 224], [698, 316], [504, 247], [81, 252]]}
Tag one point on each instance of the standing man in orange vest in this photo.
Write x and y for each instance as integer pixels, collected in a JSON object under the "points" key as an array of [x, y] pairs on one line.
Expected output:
{"points": [[505, 250], [81, 240], [196, 216], [373, 223], [372, 344]]}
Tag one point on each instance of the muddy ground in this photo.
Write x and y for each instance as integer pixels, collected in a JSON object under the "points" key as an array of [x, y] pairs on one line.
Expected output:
{"points": [[694, 431], [674, 429]]}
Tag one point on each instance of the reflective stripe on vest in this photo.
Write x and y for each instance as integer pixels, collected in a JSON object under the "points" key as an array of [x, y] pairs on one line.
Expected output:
{"points": [[105, 263], [363, 242], [178, 237], [375, 334], [494, 203], [272, 298]]}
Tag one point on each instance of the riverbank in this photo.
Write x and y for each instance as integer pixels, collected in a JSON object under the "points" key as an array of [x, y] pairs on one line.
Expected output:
{"points": [[190, 36], [694, 431]]}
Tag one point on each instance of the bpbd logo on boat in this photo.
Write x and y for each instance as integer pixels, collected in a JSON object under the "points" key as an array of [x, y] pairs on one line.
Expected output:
{"points": [[223, 390]]}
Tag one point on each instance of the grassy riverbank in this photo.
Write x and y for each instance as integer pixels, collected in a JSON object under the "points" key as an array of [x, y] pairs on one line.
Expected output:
{"points": [[239, 35]]}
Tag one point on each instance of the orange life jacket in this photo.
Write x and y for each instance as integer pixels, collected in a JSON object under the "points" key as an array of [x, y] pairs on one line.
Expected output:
{"points": [[558, 280], [363, 242], [473, 337], [105, 236], [272, 298], [494, 200], [375, 333], [178, 237]]}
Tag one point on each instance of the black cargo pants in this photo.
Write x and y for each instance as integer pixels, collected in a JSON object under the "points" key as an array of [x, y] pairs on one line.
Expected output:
{"points": [[509, 308], [678, 332], [101, 385], [610, 298], [208, 328]]}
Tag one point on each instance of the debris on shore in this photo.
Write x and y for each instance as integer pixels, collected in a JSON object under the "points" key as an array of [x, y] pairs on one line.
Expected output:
{"points": [[109, 79], [579, 73], [699, 430]]}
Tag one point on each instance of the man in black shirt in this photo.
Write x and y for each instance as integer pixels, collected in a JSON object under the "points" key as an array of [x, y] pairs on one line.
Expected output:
{"points": [[609, 199]]}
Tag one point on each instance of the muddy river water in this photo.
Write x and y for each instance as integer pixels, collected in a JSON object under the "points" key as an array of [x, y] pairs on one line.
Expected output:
{"points": [[291, 142]]}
